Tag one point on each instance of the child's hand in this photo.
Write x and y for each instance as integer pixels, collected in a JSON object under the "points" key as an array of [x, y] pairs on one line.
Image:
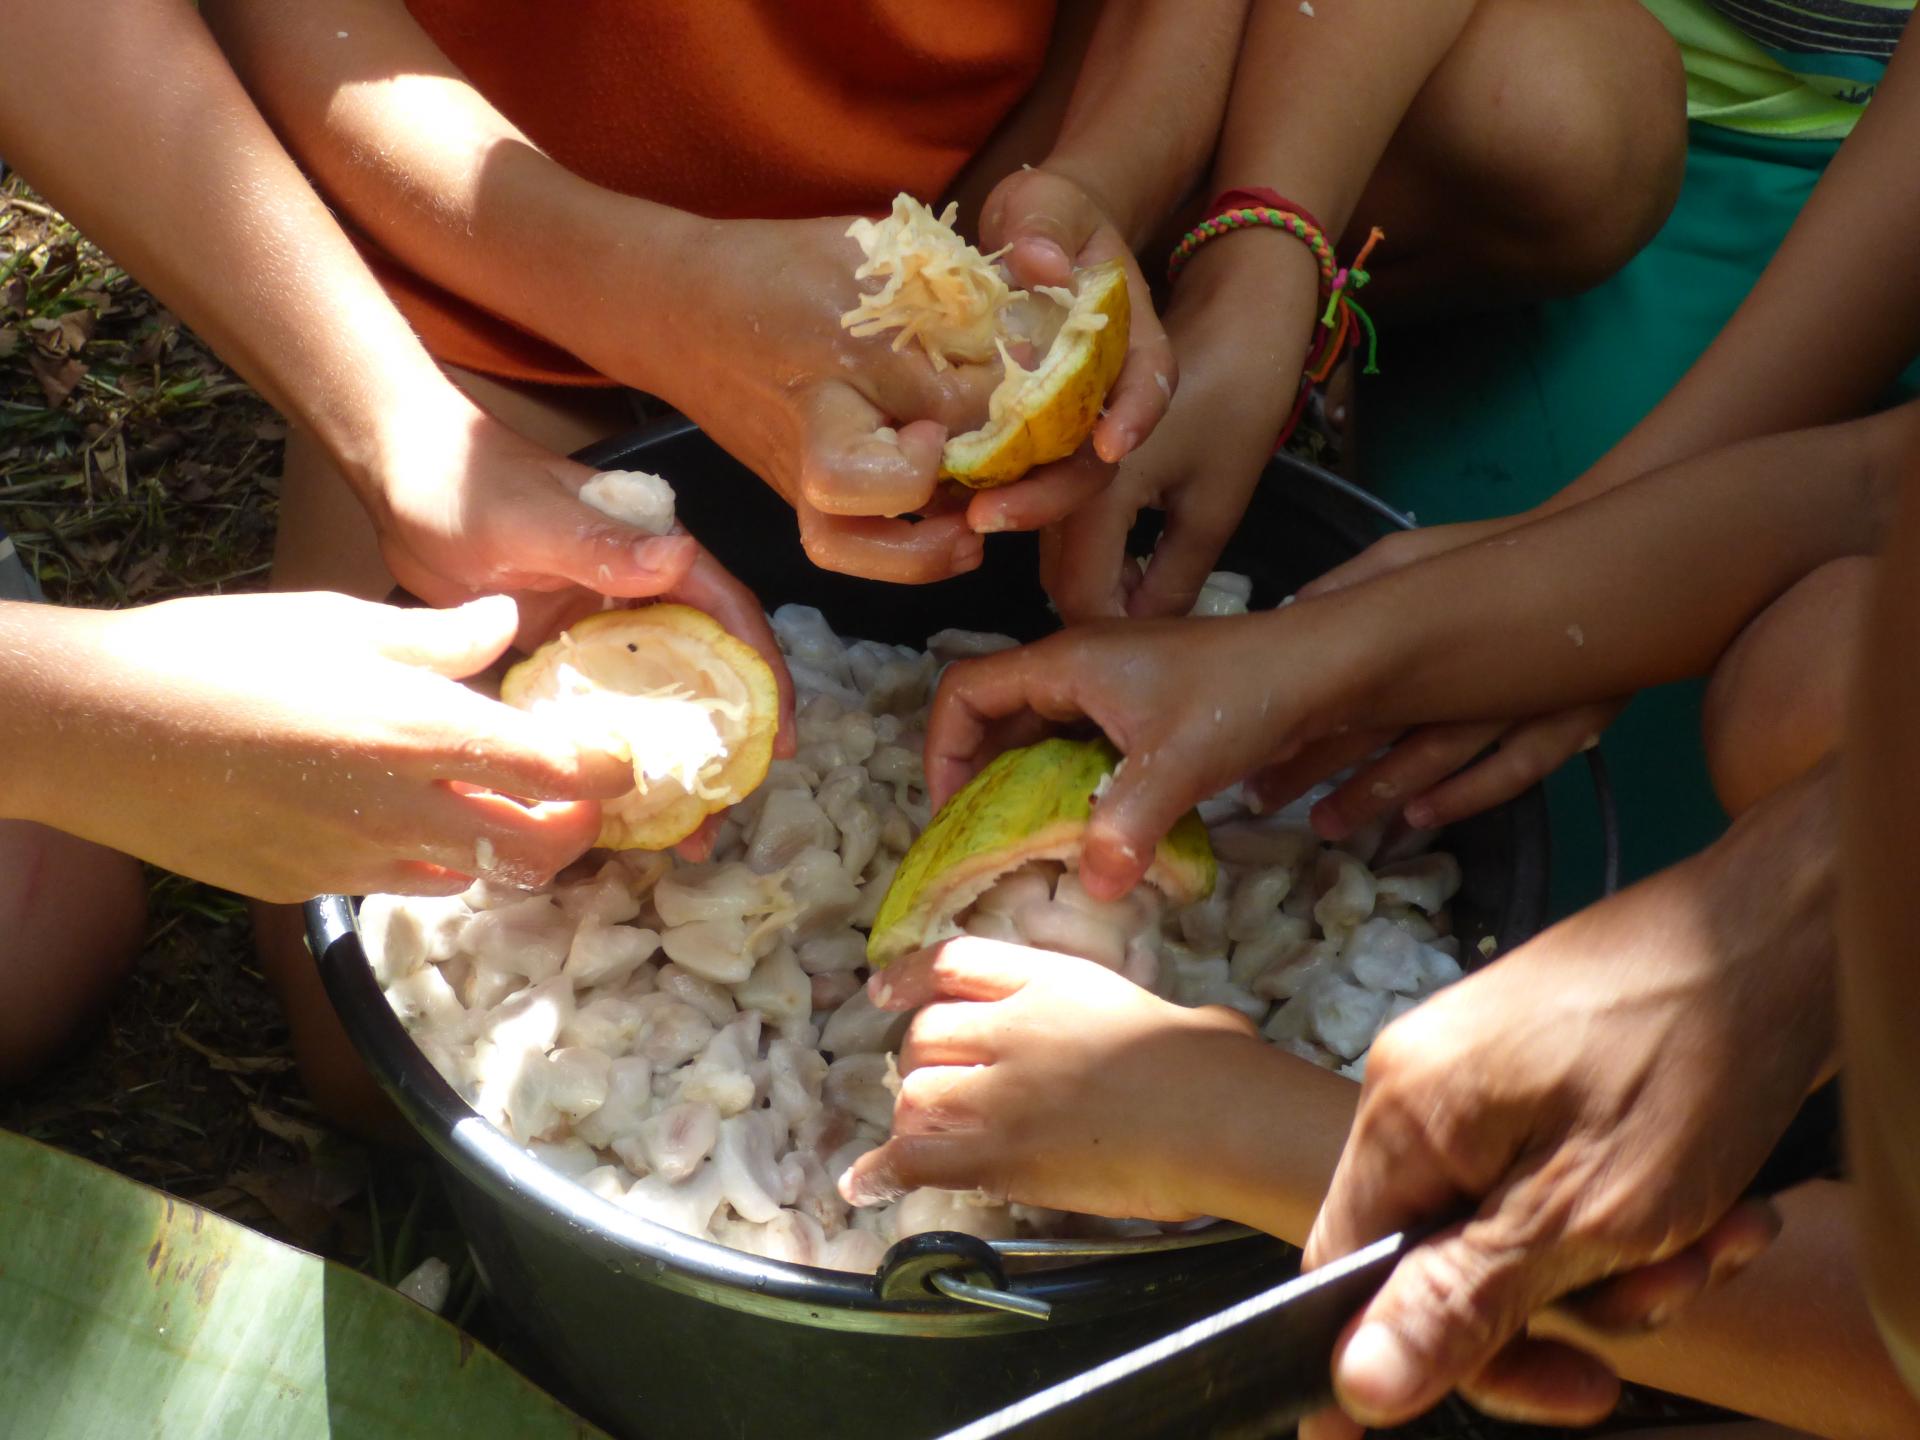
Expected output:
{"points": [[1241, 320], [753, 349], [290, 745], [1428, 775], [1050, 226], [466, 507], [1194, 705], [1049, 1080]]}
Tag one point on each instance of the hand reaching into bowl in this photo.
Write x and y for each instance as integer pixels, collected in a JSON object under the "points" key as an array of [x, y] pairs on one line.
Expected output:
{"points": [[1435, 775], [1108, 1115]]}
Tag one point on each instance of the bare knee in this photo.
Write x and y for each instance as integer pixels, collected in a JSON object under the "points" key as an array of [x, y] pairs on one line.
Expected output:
{"points": [[1569, 119], [1777, 700], [71, 917]]}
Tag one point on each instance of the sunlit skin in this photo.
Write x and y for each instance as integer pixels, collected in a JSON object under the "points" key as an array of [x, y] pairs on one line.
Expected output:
{"points": [[1598, 600], [210, 212], [192, 734], [154, 149], [737, 323], [1771, 516], [1780, 364], [1880, 917], [1486, 93], [1610, 1087]]}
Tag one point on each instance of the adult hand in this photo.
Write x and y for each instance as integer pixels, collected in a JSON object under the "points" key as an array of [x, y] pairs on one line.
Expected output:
{"points": [[1049, 225], [997, 1094], [290, 745], [1597, 1100]]}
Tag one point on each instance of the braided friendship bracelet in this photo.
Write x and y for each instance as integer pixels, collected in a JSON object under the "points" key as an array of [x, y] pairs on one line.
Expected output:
{"points": [[1343, 320], [1252, 216]]}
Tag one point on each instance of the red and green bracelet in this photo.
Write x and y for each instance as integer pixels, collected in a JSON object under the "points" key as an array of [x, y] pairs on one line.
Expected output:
{"points": [[1342, 321]]}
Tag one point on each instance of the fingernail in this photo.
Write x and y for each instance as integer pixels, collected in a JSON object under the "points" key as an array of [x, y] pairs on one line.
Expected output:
{"points": [[990, 524], [1735, 1258], [880, 991], [862, 1190], [1379, 1370], [1419, 815], [644, 561]]}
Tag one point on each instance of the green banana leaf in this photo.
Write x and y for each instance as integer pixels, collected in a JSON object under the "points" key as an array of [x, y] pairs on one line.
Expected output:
{"points": [[126, 1312]]}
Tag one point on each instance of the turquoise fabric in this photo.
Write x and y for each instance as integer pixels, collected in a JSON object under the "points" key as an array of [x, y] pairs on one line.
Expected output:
{"points": [[1489, 417]]}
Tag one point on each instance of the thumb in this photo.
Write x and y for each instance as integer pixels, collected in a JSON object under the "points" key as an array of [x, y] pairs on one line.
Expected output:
{"points": [[1450, 1307], [555, 533], [1149, 792], [1043, 221], [455, 642], [849, 467]]}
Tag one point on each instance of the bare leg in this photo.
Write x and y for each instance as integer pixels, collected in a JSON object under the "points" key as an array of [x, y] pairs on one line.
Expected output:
{"points": [[326, 542], [1777, 701], [71, 917], [1544, 152]]}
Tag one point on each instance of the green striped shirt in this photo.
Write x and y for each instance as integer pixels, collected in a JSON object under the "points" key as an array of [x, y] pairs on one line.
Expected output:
{"points": [[1799, 69]]}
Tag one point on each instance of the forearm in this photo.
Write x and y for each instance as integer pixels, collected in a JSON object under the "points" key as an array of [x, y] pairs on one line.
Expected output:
{"points": [[1266, 1133], [442, 180], [60, 693], [1320, 91], [1881, 917], [1297, 123], [1172, 60], [1641, 586], [1790, 1339], [154, 150], [28, 639], [1832, 320]]}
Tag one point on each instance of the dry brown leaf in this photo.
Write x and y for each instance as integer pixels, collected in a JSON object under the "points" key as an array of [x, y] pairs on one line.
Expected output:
{"points": [[75, 328], [58, 377], [233, 1064], [146, 573], [307, 1221], [285, 1127]]}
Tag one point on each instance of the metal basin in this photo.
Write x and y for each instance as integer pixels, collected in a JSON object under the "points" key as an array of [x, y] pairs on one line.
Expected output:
{"points": [[652, 1333]]}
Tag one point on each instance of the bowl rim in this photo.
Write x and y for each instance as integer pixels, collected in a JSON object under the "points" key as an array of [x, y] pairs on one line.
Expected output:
{"points": [[492, 1161]]}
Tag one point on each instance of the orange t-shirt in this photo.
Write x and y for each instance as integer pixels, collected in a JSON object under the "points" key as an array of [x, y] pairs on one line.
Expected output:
{"points": [[729, 108]]}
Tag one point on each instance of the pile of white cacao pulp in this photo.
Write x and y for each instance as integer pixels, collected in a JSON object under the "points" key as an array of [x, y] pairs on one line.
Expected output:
{"points": [[695, 1044]]}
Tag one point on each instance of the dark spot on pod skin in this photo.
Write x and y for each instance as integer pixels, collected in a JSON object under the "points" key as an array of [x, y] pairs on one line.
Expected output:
{"points": [[632, 649]]}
